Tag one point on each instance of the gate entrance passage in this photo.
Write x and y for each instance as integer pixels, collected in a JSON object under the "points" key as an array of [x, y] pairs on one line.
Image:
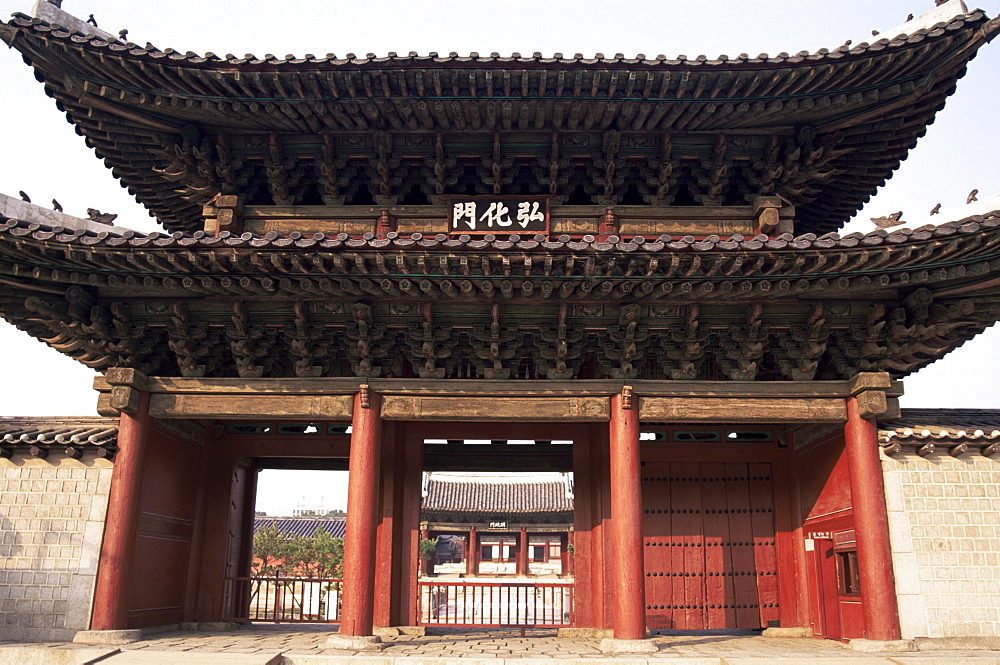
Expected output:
{"points": [[690, 503], [709, 539]]}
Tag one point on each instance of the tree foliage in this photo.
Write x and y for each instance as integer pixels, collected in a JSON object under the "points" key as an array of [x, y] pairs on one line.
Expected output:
{"points": [[275, 553]]}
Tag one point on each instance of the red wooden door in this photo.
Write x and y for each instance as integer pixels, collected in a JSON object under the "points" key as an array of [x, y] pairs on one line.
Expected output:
{"points": [[708, 531]]}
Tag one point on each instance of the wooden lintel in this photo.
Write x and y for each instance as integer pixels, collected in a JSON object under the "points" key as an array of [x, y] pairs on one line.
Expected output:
{"points": [[251, 407], [519, 409], [700, 408]]}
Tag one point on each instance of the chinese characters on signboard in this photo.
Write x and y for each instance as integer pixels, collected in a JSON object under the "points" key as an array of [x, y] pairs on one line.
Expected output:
{"points": [[499, 214]]}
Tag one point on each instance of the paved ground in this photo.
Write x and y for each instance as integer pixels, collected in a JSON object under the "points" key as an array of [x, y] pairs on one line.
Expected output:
{"points": [[304, 645]]}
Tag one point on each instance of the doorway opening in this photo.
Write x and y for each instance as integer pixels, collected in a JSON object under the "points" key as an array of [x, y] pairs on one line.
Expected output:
{"points": [[496, 540]]}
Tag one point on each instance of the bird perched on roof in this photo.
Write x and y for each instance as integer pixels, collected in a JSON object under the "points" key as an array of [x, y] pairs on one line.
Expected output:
{"points": [[936, 209], [56, 206], [122, 34], [909, 18], [972, 196], [92, 21], [96, 215], [888, 222], [25, 197]]}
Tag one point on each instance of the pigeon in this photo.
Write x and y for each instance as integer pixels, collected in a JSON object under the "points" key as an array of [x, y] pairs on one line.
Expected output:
{"points": [[92, 21], [970, 199], [888, 222], [96, 215], [936, 210], [909, 18], [25, 197], [56, 206], [122, 34]]}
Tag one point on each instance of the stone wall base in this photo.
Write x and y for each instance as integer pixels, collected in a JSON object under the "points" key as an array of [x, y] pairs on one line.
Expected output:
{"points": [[111, 637], [882, 646], [968, 643]]}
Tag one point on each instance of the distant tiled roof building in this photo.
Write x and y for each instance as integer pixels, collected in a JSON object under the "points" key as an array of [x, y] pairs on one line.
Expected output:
{"points": [[303, 526], [472, 498]]}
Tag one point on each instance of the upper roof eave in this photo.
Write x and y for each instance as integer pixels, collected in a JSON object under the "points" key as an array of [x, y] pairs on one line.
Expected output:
{"points": [[27, 24], [12, 229]]}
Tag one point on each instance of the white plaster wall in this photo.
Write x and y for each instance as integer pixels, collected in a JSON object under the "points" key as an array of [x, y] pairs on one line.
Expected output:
{"points": [[944, 525], [51, 524]]}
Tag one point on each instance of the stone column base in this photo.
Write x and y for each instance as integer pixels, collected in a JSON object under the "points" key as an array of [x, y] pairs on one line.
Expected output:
{"points": [[585, 633], [354, 642], [614, 645], [107, 636], [789, 631], [396, 631], [882, 646]]}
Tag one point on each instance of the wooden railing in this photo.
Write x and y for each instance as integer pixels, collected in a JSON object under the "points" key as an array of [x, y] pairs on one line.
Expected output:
{"points": [[283, 599], [496, 604]]}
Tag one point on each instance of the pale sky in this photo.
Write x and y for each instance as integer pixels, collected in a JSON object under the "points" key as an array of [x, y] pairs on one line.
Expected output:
{"points": [[41, 154]]}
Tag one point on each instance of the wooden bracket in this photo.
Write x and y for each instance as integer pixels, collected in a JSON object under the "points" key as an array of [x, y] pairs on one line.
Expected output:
{"points": [[872, 403], [365, 393], [992, 449], [608, 225], [126, 376], [926, 449], [125, 398], [960, 449], [627, 398], [384, 226], [223, 213]]}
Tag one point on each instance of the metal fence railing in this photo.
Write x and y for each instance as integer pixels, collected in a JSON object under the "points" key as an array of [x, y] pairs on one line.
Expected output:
{"points": [[283, 599], [496, 604]]}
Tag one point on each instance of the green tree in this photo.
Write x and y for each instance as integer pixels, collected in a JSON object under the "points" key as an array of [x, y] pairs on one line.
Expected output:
{"points": [[270, 552], [321, 555]]}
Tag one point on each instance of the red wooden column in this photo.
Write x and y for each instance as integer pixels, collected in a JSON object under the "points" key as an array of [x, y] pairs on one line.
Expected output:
{"points": [[111, 594], [522, 553], [626, 521], [362, 498], [472, 555], [878, 585]]}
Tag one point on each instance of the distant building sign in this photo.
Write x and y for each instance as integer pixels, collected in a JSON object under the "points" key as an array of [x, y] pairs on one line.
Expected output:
{"points": [[499, 214], [498, 525]]}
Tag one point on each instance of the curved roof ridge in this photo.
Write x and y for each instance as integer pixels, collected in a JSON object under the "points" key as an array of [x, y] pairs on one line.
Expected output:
{"points": [[104, 40]]}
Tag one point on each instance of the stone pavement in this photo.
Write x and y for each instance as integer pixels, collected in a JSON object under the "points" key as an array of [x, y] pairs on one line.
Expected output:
{"points": [[304, 645]]}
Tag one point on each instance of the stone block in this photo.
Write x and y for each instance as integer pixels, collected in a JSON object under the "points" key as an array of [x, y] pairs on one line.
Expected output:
{"points": [[354, 642], [614, 645], [111, 637], [789, 631], [882, 646]]}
